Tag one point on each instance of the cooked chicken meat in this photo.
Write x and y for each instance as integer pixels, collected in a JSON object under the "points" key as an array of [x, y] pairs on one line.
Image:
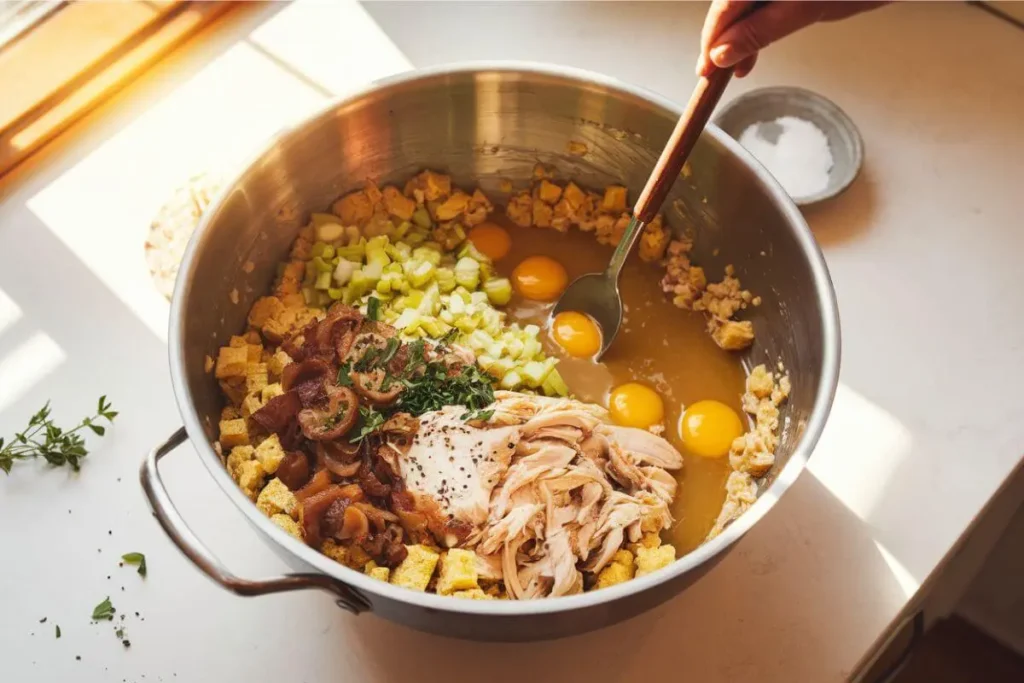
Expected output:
{"points": [[547, 485]]}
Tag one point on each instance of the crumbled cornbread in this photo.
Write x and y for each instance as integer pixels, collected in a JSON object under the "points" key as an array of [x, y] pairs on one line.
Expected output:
{"points": [[288, 524], [231, 362], [619, 570], [374, 571], [652, 559], [416, 569], [740, 494], [458, 571], [276, 498], [233, 433], [472, 594], [270, 453]]}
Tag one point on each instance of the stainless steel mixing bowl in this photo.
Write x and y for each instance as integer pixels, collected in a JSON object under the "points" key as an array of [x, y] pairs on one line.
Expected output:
{"points": [[482, 123]]}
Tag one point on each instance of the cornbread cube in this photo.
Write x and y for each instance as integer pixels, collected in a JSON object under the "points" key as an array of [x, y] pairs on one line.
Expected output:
{"points": [[458, 571], [614, 200], [398, 204], [520, 209], [574, 196], [230, 413], [452, 207], [542, 214], [234, 433], [275, 499], [357, 557], [251, 404], [234, 389], [732, 335], [354, 208], [270, 453], [271, 391], [375, 571], [479, 209], [760, 382], [472, 594], [288, 524], [549, 192], [416, 569], [236, 457], [654, 241], [277, 362], [254, 353], [238, 342], [207, 364], [614, 573], [435, 185], [264, 309], [338, 553], [652, 559], [251, 477], [231, 362], [255, 375]]}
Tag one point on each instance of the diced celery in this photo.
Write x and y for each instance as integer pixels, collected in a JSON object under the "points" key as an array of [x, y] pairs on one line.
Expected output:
{"points": [[431, 303], [360, 283], [323, 281], [329, 253], [399, 251], [318, 249], [415, 237], [554, 385], [479, 340], [499, 291], [531, 330], [335, 293], [467, 273], [377, 256], [384, 285], [421, 218], [343, 271], [408, 321], [378, 242], [513, 346], [466, 323], [435, 328], [445, 278], [421, 273], [531, 347], [373, 271], [511, 380], [456, 305], [496, 349], [310, 296], [447, 316], [501, 367], [353, 252], [402, 228], [534, 373], [478, 298], [469, 250], [321, 265], [427, 254]]}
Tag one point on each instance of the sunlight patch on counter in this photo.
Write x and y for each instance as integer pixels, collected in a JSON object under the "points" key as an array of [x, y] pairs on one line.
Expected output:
{"points": [[26, 366], [214, 120]]}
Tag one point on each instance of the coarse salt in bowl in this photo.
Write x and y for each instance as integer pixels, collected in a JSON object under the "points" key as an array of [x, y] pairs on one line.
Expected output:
{"points": [[804, 140]]}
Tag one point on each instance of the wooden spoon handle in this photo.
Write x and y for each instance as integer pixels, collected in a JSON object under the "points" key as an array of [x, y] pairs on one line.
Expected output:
{"points": [[687, 131]]}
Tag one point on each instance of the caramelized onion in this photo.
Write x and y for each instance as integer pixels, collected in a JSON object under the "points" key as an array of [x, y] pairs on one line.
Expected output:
{"points": [[293, 470], [278, 412], [315, 507], [334, 420], [320, 482], [307, 378], [370, 483]]}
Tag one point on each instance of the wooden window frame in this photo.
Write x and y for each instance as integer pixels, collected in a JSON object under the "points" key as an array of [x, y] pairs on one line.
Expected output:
{"points": [[79, 55]]}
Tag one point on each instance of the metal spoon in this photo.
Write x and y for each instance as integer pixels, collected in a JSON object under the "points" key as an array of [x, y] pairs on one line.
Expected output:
{"points": [[597, 294]]}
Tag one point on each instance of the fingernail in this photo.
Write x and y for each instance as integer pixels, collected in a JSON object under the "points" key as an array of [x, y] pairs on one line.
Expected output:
{"points": [[701, 65], [724, 56]]}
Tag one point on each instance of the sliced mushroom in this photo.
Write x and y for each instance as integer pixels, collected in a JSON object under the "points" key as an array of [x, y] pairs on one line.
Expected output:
{"points": [[293, 471], [278, 412], [377, 387], [334, 420], [308, 379]]}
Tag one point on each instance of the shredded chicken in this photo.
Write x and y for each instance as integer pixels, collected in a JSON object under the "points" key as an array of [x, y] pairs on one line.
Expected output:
{"points": [[548, 485]]}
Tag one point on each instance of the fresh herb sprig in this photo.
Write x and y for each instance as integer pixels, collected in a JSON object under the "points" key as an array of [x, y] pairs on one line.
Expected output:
{"points": [[136, 559], [104, 610], [43, 439], [370, 421]]}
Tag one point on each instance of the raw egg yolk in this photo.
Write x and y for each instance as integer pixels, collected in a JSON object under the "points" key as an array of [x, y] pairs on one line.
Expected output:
{"points": [[493, 241], [540, 278], [636, 405], [708, 428], [576, 333]]}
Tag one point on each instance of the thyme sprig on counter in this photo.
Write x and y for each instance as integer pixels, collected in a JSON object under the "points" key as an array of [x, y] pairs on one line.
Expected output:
{"points": [[43, 439]]}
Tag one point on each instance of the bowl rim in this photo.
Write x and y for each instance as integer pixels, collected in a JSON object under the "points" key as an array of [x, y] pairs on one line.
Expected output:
{"points": [[513, 608], [843, 119]]}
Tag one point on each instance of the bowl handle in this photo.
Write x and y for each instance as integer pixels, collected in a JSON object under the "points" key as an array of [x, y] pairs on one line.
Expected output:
{"points": [[177, 529]]}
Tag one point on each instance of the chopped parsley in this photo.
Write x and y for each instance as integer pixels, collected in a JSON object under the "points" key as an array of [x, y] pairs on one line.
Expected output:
{"points": [[136, 558], [482, 415], [435, 389], [370, 421], [104, 610]]}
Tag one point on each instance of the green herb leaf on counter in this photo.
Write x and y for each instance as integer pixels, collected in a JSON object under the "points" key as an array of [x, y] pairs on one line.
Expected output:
{"points": [[371, 420], [57, 628], [43, 439], [136, 558], [104, 610]]}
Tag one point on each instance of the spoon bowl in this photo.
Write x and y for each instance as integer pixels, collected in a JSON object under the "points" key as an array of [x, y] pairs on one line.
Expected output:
{"points": [[596, 295]]}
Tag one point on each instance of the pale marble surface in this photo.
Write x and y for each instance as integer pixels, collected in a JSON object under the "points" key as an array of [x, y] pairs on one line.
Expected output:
{"points": [[924, 251]]}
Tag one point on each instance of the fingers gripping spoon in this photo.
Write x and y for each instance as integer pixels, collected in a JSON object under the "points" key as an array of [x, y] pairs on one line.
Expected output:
{"points": [[597, 294]]}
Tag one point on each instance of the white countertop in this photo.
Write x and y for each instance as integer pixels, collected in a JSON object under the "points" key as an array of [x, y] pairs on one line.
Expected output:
{"points": [[924, 251]]}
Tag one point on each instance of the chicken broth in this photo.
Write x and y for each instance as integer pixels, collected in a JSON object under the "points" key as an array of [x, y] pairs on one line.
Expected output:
{"points": [[658, 344]]}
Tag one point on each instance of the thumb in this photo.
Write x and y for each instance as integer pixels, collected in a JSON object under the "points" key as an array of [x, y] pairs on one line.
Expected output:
{"points": [[754, 33]]}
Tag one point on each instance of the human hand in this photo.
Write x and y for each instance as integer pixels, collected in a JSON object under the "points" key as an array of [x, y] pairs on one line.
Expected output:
{"points": [[729, 40]]}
